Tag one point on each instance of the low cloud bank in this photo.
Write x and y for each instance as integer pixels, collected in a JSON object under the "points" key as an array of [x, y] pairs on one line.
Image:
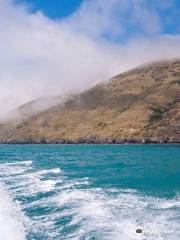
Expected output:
{"points": [[40, 57]]}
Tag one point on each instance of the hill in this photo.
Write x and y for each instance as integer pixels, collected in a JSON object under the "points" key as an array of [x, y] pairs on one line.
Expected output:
{"points": [[141, 105]]}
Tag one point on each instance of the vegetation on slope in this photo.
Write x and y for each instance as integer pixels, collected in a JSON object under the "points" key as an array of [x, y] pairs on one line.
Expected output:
{"points": [[141, 105]]}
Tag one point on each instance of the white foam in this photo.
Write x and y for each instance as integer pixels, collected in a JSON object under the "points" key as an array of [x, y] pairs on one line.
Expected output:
{"points": [[46, 186], [15, 168], [47, 171], [29, 162], [118, 217], [75, 183], [34, 186], [11, 227], [107, 214], [168, 204]]}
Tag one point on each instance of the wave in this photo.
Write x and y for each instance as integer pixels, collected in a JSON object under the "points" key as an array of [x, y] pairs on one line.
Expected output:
{"points": [[117, 216], [11, 226], [14, 168], [47, 171], [74, 209], [28, 162]]}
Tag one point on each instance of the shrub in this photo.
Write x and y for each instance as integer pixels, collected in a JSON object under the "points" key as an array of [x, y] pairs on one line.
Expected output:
{"points": [[156, 115]]}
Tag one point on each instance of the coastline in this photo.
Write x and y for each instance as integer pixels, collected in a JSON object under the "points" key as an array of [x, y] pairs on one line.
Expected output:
{"points": [[88, 142]]}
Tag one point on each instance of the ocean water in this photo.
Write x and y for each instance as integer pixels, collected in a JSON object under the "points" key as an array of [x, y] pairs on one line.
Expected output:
{"points": [[89, 192]]}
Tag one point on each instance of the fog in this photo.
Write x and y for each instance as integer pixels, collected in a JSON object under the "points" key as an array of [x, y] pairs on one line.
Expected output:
{"points": [[41, 57]]}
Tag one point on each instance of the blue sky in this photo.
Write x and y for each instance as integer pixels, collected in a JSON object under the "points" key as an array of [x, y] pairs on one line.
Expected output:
{"points": [[54, 9], [158, 16]]}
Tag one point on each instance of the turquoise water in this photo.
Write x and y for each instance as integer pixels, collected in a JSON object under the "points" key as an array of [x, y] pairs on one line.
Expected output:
{"points": [[88, 192]]}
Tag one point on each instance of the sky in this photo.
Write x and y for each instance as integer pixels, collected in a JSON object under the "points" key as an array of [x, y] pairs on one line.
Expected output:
{"points": [[166, 12], [59, 47], [54, 9]]}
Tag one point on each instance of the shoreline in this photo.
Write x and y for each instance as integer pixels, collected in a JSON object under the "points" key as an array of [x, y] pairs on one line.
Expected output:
{"points": [[70, 142]]}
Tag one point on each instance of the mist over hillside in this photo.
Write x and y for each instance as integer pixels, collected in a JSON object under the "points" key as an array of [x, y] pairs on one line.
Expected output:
{"points": [[56, 73], [43, 57], [141, 105]]}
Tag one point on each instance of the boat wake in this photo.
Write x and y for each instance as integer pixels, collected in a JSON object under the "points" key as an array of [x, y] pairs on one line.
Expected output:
{"points": [[46, 204], [11, 225]]}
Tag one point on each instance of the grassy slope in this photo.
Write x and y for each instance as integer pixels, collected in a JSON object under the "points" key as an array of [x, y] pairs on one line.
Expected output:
{"points": [[143, 103]]}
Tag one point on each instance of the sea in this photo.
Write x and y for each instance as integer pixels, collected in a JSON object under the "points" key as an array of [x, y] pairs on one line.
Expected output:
{"points": [[89, 192]]}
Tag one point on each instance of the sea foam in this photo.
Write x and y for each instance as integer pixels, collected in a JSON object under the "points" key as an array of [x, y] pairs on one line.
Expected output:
{"points": [[71, 209], [11, 227]]}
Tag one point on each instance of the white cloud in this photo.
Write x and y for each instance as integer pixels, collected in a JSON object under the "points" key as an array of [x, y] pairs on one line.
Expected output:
{"points": [[113, 18], [41, 57]]}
